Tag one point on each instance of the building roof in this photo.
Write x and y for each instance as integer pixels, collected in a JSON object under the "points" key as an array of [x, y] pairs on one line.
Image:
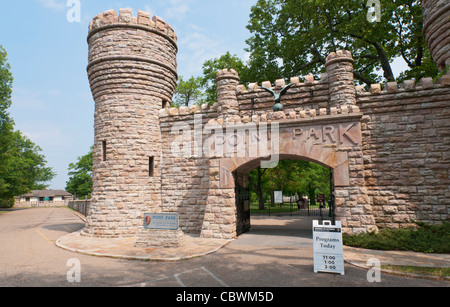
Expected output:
{"points": [[47, 193]]}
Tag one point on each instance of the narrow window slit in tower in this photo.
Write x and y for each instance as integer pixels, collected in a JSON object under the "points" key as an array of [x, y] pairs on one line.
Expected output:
{"points": [[165, 104], [104, 150], [151, 166]]}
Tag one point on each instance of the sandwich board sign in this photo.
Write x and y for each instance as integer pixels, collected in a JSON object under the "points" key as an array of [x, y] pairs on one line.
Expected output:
{"points": [[328, 247]]}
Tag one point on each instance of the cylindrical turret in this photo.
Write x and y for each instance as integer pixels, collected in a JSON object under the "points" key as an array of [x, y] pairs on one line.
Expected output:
{"points": [[133, 73], [227, 80], [436, 29], [340, 72]]}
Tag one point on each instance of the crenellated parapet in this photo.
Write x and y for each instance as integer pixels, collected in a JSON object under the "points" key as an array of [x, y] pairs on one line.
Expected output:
{"points": [[125, 18], [334, 94], [239, 103], [407, 87], [133, 54]]}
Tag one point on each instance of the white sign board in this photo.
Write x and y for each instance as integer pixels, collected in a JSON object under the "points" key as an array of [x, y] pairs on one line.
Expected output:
{"points": [[165, 221], [278, 197], [328, 247]]}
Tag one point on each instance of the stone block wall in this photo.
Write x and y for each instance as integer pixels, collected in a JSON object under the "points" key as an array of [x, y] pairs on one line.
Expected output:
{"points": [[406, 151], [185, 170]]}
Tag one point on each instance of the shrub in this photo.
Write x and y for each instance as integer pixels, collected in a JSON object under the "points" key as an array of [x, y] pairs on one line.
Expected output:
{"points": [[425, 238]]}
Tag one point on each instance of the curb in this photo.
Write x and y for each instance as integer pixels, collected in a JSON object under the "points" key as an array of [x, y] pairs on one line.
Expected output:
{"points": [[398, 273], [82, 217], [144, 257]]}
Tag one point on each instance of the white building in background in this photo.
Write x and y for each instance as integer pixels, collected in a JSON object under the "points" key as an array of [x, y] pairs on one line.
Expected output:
{"points": [[43, 198]]}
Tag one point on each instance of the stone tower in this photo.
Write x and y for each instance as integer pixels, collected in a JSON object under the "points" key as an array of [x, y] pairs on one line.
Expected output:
{"points": [[436, 16], [133, 74], [342, 90], [227, 80]]}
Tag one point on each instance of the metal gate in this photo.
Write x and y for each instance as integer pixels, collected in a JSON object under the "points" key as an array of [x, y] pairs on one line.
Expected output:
{"points": [[243, 209]]}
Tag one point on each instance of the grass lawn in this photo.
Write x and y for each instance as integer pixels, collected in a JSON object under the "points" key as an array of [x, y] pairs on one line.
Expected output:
{"points": [[441, 273], [279, 208], [425, 239]]}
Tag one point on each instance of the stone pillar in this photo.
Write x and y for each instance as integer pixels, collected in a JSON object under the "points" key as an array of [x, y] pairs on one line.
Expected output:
{"points": [[227, 81], [436, 20], [342, 89], [133, 73]]}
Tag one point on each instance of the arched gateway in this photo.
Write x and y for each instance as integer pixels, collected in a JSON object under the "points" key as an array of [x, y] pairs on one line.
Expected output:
{"points": [[388, 148]]}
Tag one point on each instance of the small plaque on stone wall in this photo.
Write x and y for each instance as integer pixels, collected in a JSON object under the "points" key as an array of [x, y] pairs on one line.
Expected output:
{"points": [[164, 221]]}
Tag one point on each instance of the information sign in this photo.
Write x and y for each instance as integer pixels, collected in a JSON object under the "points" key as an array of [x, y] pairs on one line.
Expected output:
{"points": [[328, 247], [320, 198], [278, 197], [164, 221]]}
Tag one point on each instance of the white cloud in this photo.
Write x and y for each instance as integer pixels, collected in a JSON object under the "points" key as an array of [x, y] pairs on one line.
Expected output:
{"points": [[53, 4], [177, 9], [195, 49]]}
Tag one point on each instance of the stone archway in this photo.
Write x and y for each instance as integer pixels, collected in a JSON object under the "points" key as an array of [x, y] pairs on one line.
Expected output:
{"points": [[242, 188], [332, 142]]}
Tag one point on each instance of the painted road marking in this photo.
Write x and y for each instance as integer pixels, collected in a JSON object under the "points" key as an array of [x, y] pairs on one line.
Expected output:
{"points": [[42, 235], [215, 277], [180, 282], [178, 278]]}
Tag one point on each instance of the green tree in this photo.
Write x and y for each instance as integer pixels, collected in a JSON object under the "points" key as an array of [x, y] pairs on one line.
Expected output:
{"points": [[213, 66], [80, 180], [292, 177], [291, 38], [315, 180], [22, 165], [24, 168], [189, 92], [6, 82], [6, 123], [28, 169]]}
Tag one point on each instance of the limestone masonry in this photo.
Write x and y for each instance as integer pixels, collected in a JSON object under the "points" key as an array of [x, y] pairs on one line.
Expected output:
{"points": [[389, 147]]}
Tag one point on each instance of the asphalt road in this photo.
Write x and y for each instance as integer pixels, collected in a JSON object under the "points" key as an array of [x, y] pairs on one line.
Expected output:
{"points": [[264, 257]]}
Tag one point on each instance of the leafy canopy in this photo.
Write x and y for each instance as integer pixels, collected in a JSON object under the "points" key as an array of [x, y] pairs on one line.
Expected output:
{"points": [[292, 177], [80, 176], [212, 66], [291, 38], [22, 166], [188, 92]]}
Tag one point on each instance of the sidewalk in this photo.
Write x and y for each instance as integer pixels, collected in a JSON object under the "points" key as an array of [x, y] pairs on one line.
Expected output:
{"points": [[125, 248], [360, 257], [264, 232], [195, 247]]}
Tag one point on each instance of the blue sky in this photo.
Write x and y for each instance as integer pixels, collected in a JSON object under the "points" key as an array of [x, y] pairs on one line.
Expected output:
{"points": [[52, 101]]}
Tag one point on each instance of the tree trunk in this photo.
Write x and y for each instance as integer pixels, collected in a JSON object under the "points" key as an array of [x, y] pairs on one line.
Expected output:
{"points": [[258, 188], [260, 199], [385, 65]]}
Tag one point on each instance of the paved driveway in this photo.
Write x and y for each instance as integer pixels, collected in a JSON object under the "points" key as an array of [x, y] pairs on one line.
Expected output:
{"points": [[266, 257]]}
